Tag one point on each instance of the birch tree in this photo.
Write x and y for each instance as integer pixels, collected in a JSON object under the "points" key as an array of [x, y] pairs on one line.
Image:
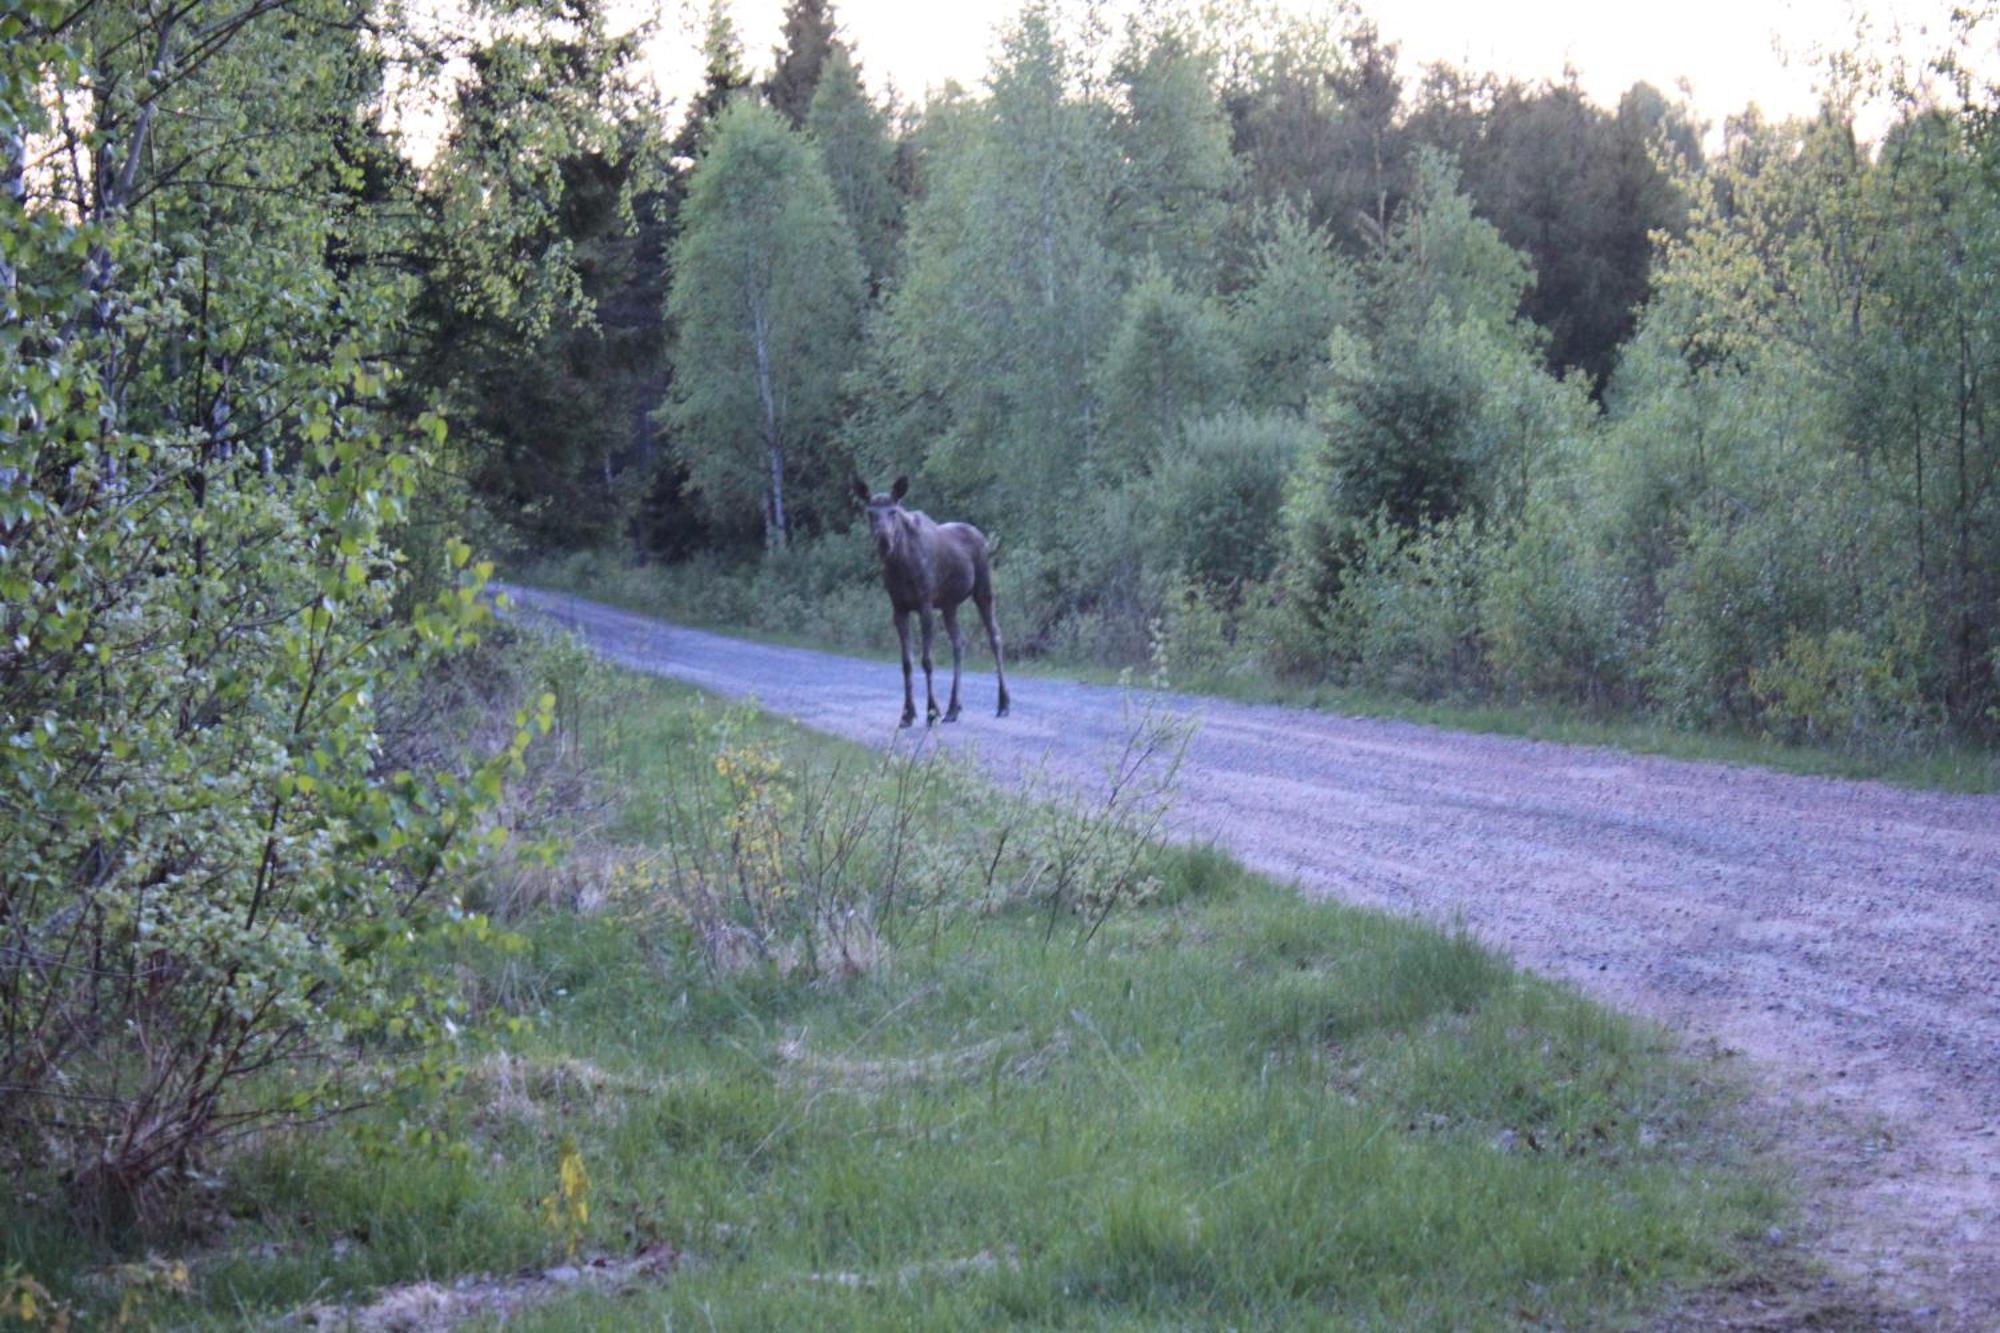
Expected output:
{"points": [[765, 310], [1009, 286]]}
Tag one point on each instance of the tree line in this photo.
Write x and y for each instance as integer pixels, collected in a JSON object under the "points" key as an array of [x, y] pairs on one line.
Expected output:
{"points": [[1460, 388]]}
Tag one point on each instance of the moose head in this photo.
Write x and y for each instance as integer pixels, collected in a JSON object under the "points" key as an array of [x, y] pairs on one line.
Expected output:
{"points": [[885, 514]]}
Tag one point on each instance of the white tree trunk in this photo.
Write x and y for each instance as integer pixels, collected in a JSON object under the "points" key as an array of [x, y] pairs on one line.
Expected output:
{"points": [[774, 517]]}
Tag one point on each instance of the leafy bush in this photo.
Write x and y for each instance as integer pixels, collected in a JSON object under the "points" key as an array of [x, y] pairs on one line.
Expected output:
{"points": [[1170, 355], [826, 589], [1407, 615], [1731, 603], [1840, 688], [1194, 634], [812, 866], [1277, 628], [211, 873], [1213, 503], [1552, 613]]}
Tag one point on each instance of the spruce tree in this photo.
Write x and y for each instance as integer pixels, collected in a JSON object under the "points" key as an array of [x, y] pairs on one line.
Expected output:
{"points": [[854, 142], [798, 61]]}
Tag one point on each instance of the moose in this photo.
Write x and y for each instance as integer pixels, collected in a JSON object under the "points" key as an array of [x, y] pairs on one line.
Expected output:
{"points": [[927, 567]]}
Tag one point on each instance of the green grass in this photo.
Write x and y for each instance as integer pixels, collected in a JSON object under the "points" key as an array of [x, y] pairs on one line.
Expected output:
{"points": [[1934, 764], [1233, 1107], [1942, 766]]}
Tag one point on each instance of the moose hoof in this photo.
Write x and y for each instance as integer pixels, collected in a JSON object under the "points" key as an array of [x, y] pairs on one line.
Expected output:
{"points": [[951, 716], [908, 719], [1002, 712]]}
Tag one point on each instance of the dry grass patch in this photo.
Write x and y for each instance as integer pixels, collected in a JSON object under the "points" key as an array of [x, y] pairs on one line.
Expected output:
{"points": [[527, 1088], [433, 1307], [1015, 1056]]}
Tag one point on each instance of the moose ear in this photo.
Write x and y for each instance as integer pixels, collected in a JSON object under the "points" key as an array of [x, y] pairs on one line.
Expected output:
{"points": [[861, 491], [900, 489]]}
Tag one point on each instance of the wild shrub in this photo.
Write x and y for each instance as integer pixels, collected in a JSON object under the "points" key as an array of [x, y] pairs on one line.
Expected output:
{"points": [[1084, 852], [1406, 618], [1213, 501], [1280, 630], [210, 873], [1194, 634], [210, 879], [1841, 688], [1746, 584], [764, 857], [1552, 611], [795, 866], [826, 589]]}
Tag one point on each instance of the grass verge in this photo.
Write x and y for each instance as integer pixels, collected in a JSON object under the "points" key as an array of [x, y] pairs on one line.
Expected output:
{"points": [[1226, 1106], [1934, 765]]}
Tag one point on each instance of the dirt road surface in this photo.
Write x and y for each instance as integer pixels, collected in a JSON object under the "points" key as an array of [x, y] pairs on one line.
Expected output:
{"points": [[1842, 937]]}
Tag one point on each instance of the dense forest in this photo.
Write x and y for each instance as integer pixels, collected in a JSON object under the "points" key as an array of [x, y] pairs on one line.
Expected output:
{"points": [[1253, 351], [1259, 354]]}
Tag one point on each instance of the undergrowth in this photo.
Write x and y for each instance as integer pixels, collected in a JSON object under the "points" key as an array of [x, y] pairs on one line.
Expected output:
{"points": [[808, 1036]]}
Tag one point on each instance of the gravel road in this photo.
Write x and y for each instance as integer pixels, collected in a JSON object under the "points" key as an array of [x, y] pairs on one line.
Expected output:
{"points": [[1842, 937]]}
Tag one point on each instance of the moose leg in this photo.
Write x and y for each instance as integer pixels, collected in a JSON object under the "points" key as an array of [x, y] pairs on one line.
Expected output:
{"points": [[993, 637], [957, 637], [930, 694], [909, 700]]}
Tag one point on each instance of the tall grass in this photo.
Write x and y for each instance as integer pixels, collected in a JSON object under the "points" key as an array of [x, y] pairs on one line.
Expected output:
{"points": [[1215, 1104]]}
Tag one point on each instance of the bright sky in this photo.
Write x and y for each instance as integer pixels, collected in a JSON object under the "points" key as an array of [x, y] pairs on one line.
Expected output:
{"points": [[1728, 51]]}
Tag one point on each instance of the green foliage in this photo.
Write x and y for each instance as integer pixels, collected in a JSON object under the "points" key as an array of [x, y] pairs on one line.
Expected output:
{"points": [[1436, 420], [1746, 589], [1173, 137], [1406, 619], [1553, 611], [534, 104], [213, 871], [723, 77], [1415, 419], [1781, 480], [543, 415], [1403, 425], [1842, 689], [1170, 357], [1194, 635], [801, 63], [1230, 1103], [1574, 187], [988, 342], [1298, 292], [1313, 102], [767, 292], [821, 589], [854, 141], [1213, 502], [1184, 324]]}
